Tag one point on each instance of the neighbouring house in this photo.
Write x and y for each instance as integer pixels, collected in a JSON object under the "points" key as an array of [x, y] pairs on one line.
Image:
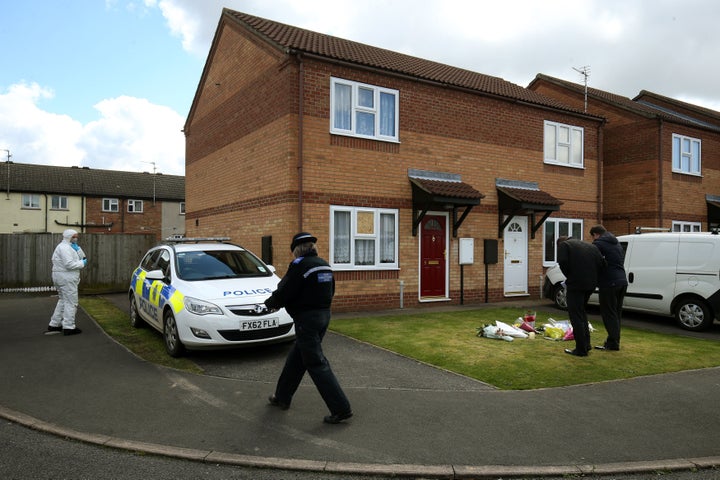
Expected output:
{"points": [[423, 182], [43, 198], [661, 158]]}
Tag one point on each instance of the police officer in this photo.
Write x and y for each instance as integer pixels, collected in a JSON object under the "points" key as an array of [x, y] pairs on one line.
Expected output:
{"points": [[306, 292]]}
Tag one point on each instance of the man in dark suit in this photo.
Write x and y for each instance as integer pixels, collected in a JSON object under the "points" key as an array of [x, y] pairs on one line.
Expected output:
{"points": [[581, 263]]}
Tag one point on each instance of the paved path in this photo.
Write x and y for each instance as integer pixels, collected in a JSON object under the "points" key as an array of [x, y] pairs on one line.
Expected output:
{"points": [[411, 419]]}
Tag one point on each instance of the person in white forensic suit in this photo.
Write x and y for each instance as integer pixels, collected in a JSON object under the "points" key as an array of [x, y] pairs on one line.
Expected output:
{"points": [[67, 261]]}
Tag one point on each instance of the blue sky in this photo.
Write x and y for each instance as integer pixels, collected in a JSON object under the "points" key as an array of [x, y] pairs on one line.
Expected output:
{"points": [[109, 83], [87, 50]]}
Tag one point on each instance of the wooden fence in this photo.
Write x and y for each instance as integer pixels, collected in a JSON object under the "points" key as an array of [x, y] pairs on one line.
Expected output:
{"points": [[25, 261]]}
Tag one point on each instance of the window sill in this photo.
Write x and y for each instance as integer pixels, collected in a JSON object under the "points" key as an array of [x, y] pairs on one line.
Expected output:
{"points": [[556, 164]]}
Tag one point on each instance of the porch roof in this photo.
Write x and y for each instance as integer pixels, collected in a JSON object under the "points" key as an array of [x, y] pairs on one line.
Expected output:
{"points": [[524, 198], [441, 191]]}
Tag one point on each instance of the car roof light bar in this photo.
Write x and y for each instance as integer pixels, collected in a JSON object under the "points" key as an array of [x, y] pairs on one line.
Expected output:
{"points": [[197, 239]]}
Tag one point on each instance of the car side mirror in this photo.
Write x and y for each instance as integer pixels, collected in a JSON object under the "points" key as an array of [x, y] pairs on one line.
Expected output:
{"points": [[155, 275]]}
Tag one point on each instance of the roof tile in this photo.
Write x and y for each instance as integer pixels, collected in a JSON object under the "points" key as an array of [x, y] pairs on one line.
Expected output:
{"points": [[31, 178], [287, 37], [448, 188], [527, 195]]}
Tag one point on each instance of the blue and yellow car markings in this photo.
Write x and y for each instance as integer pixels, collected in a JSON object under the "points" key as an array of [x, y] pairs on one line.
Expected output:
{"points": [[156, 294]]}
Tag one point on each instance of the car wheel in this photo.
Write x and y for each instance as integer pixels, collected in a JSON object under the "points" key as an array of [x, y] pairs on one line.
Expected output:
{"points": [[135, 320], [693, 314], [560, 297], [173, 345]]}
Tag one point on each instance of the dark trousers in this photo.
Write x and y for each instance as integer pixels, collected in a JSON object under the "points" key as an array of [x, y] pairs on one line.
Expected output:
{"points": [[611, 301], [306, 355], [576, 303]]}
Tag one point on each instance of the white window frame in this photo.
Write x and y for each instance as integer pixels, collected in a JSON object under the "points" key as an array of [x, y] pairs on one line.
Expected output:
{"points": [[686, 161], [357, 108], [680, 226], [182, 208], [575, 229], [110, 205], [554, 143], [58, 202], [31, 201], [135, 206], [355, 236]]}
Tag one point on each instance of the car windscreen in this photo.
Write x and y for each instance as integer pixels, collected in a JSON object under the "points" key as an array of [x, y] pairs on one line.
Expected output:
{"points": [[218, 264]]}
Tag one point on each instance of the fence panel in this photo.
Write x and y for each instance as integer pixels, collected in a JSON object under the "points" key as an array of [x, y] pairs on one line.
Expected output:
{"points": [[25, 262]]}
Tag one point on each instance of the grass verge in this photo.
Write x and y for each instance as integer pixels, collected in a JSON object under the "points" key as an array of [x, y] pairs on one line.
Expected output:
{"points": [[450, 341], [146, 343]]}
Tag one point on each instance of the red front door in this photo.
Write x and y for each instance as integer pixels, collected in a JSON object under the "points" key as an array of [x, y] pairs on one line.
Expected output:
{"points": [[432, 256]]}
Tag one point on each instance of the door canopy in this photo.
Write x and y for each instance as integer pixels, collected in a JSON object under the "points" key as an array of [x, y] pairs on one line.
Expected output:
{"points": [[713, 212], [523, 198], [441, 191]]}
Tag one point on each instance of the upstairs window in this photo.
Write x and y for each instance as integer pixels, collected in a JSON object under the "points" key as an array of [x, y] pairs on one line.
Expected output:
{"points": [[58, 202], [30, 200], [182, 208], [564, 144], [686, 155], [135, 206], [361, 110], [110, 205]]}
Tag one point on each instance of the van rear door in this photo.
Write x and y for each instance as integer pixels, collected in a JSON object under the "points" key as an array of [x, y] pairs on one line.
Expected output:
{"points": [[698, 266], [650, 267]]}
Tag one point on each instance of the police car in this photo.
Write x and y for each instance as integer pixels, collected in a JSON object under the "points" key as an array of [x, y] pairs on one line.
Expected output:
{"points": [[204, 293]]}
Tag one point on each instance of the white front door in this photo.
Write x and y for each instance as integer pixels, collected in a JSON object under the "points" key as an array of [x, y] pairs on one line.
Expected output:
{"points": [[515, 257]]}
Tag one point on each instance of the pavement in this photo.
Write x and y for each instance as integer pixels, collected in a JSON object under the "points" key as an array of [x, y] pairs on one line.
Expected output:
{"points": [[411, 419]]}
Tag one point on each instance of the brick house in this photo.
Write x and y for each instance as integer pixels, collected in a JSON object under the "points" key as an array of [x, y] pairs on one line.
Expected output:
{"points": [[661, 158], [49, 199], [403, 168]]}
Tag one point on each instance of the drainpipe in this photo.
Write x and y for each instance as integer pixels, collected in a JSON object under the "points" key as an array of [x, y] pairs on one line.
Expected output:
{"points": [[46, 212], [301, 101], [660, 173], [82, 207], [601, 173]]}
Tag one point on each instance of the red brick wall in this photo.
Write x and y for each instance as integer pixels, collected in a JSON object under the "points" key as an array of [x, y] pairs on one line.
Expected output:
{"points": [[242, 171], [149, 221], [639, 188]]}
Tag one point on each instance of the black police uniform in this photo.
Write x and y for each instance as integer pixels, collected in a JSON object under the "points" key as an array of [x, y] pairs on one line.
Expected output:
{"points": [[306, 292]]}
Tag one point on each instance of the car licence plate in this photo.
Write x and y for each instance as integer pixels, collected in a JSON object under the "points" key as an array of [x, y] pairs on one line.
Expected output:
{"points": [[258, 324]]}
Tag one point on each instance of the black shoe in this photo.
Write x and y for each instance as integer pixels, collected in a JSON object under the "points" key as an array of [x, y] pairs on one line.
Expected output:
{"points": [[605, 347], [576, 352], [338, 417], [71, 331], [273, 400], [53, 330]]}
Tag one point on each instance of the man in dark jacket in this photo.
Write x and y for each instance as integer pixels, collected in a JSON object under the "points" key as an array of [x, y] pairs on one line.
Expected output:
{"points": [[581, 263], [306, 292], [612, 284]]}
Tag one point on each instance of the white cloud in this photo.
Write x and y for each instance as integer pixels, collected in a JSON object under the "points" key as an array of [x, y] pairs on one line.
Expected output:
{"points": [[33, 135], [130, 135], [133, 134]]}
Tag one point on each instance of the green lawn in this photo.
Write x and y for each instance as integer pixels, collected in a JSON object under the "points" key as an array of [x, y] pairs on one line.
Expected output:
{"points": [[450, 341], [146, 343]]}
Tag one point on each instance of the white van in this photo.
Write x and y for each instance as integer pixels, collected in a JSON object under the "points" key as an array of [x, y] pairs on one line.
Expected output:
{"points": [[670, 274]]}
